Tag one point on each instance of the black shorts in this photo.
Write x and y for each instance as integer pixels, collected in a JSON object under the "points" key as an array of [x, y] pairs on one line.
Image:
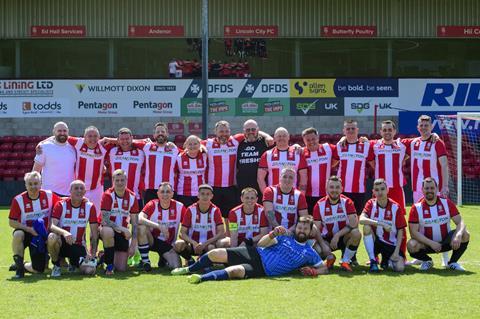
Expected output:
{"points": [[311, 201], [160, 246], [38, 259], [72, 252], [358, 200], [186, 200], [386, 250], [446, 244], [341, 243], [149, 195], [121, 243], [225, 198], [247, 257]]}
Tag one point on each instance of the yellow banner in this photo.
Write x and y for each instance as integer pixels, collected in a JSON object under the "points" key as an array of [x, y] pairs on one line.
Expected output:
{"points": [[312, 88]]}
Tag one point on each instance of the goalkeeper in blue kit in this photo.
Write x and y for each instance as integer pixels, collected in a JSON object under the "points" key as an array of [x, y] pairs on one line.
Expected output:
{"points": [[277, 254]]}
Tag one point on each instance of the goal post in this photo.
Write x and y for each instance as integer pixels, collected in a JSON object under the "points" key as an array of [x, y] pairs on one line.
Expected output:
{"points": [[461, 133]]}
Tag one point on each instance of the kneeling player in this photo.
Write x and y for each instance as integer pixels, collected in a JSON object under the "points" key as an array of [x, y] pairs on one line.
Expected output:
{"points": [[202, 226], [119, 208], [159, 222], [67, 238], [336, 216], [248, 221], [429, 224], [25, 210], [277, 254], [384, 224]]}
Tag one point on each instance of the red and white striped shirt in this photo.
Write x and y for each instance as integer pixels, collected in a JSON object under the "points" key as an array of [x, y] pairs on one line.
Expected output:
{"points": [[202, 225], [393, 215], [120, 207], [75, 219], [352, 168], [319, 166], [131, 162], [333, 217], [90, 162], [159, 164], [247, 225], [285, 205], [275, 160], [425, 161], [222, 160], [190, 173], [388, 162], [169, 217], [433, 221], [25, 210]]}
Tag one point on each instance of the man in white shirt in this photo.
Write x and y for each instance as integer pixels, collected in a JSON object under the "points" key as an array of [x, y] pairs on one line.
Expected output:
{"points": [[172, 68], [56, 161]]}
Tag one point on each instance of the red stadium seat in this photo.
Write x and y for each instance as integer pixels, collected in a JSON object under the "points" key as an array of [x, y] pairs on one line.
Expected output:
{"points": [[11, 164], [15, 156], [335, 138], [28, 155], [180, 138], [324, 138], [3, 155], [7, 139], [6, 147], [30, 147], [3, 163], [374, 136], [9, 174], [19, 147], [26, 164], [22, 139]]}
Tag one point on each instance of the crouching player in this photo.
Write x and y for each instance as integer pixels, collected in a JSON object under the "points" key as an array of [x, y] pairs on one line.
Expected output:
{"points": [[384, 224], [67, 238], [26, 212], [277, 254], [429, 225], [159, 222], [248, 221], [119, 209], [336, 216], [202, 226]]}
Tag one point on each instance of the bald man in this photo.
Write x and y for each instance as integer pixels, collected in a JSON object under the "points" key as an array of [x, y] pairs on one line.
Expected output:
{"points": [[56, 161], [249, 152]]}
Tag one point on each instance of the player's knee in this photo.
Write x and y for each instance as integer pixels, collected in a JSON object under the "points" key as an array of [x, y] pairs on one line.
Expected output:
{"points": [[466, 236], [52, 239], [210, 247], [106, 232], [412, 246], [179, 245], [355, 235], [18, 236], [236, 272], [367, 230], [399, 266]]}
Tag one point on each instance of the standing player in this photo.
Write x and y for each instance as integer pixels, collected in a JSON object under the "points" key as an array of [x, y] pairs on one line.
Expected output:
{"points": [[429, 224], [130, 159], [160, 158], [56, 161], [119, 209], [248, 155], [384, 227], [222, 158], [279, 157], [26, 208], [353, 156], [67, 238], [283, 203], [159, 223], [202, 226], [248, 221], [319, 165], [277, 254], [336, 216], [190, 171]]}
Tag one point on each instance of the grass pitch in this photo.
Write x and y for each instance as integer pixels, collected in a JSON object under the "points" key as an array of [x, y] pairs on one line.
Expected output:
{"points": [[438, 293]]}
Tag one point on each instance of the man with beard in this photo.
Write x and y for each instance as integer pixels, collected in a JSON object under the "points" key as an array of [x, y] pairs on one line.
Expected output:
{"points": [[336, 216], [277, 254], [160, 157], [429, 224], [56, 162], [248, 155]]}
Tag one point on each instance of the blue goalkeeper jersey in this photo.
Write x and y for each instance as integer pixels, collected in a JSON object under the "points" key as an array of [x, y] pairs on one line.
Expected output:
{"points": [[286, 256]]}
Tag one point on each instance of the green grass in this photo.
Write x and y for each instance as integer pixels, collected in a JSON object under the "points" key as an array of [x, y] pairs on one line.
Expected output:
{"points": [[439, 293]]}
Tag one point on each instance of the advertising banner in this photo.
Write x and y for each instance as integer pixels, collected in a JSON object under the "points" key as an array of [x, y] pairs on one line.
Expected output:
{"points": [[262, 106], [349, 31], [365, 106], [317, 107]]}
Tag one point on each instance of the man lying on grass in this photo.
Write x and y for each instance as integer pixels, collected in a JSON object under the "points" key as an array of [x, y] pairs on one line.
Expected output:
{"points": [[278, 253]]}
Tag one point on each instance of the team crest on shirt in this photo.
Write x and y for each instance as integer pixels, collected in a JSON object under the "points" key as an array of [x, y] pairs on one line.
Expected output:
{"points": [[44, 202], [388, 214], [27, 205], [125, 202], [327, 209], [440, 208], [279, 197]]}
